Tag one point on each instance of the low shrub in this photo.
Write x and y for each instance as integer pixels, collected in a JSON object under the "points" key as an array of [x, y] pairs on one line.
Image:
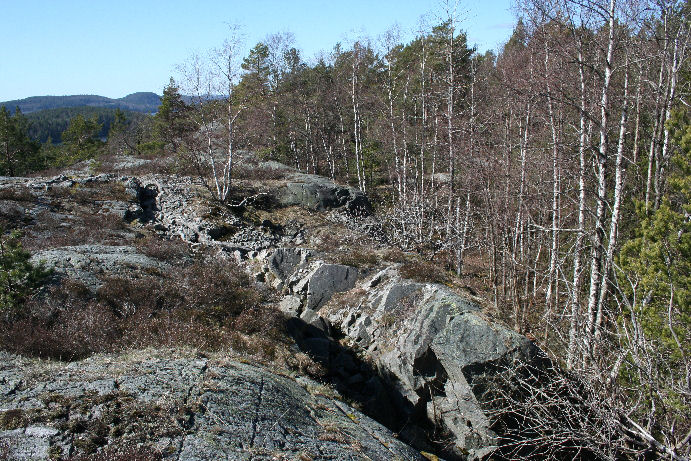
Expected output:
{"points": [[89, 194], [205, 305], [423, 271], [13, 216], [395, 255], [172, 251], [270, 323], [94, 228], [17, 194], [362, 259], [259, 172]]}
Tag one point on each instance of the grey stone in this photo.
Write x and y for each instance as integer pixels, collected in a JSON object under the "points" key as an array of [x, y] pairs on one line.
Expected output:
{"points": [[326, 280], [290, 305], [41, 432], [31, 443], [13, 214], [319, 193], [283, 261], [224, 410], [116, 207], [432, 341], [83, 262], [313, 319]]}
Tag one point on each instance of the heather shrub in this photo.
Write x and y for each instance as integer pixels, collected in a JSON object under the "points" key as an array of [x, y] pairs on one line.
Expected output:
{"points": [[263, 320], [96, 228], [362, 259], [163, 250], [17, 194], [423, 271], [208, 304], [216, 290], [259, 172]]}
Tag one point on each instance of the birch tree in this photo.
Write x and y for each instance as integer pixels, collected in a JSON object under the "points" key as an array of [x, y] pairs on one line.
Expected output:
{"points": [[211, 82]]}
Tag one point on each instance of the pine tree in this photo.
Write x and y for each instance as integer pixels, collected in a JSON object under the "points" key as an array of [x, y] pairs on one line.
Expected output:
{"points": [[19, 278], [18, 152], [655, 275], [171, 122]]}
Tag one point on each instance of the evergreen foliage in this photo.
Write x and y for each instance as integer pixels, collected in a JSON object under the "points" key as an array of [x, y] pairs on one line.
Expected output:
{"points": [[19, 278], [50, 123], [18, 153], [655, 273], [171, 122], [80, 140]]}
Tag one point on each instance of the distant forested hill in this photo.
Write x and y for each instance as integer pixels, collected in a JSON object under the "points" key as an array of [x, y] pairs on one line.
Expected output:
{"points": [[50, 123], [139, 102]]}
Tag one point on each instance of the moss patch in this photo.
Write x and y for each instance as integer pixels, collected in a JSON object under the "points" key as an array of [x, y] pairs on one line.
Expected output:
{"points": [[95, 421]]}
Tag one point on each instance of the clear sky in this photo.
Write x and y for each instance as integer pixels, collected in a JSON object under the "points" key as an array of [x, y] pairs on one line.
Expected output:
{"points": [[113, 48]]}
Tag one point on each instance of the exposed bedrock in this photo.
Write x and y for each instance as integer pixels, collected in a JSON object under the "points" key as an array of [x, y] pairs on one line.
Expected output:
{"points": [[424, 343], [434, 342], [187, 408]]}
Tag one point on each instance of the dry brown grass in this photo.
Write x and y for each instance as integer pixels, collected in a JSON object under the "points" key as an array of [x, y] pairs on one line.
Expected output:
{"points": [[169, 250], [424, 271], [51, 231], [17, 194], [209, 305], [362, 258], [154, 164], [88, 194], [258, 173]]}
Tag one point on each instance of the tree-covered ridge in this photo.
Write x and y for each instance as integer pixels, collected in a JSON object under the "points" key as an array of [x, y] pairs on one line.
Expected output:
{"points": [[80, 134], [50, 123], [140, 102]]}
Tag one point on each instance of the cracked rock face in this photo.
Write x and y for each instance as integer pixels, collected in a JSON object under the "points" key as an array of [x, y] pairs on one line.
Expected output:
{"points": [[312, 283], [434, 342], [185, 408], [430, 342], [326, 280]]}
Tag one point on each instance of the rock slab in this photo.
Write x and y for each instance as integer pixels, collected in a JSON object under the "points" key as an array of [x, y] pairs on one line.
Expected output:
{"points": [[187, 408]]}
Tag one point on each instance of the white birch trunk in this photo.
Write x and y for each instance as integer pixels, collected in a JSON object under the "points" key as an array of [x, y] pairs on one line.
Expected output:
{"points": [[598, 239]]}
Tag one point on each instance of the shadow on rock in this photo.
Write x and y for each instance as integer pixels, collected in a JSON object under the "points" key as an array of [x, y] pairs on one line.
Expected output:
{"points": [[371, 390], [146, 199]]}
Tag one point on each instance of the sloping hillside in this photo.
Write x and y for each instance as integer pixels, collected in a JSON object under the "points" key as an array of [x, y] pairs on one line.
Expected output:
{"points": [[177, 327], [139, 102]]}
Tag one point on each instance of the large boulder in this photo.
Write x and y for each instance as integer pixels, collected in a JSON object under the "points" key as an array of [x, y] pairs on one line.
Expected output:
{"points": [[13, 214], [319, 193], [432, 343], [283, 262], [185, 408], [310, 283]]}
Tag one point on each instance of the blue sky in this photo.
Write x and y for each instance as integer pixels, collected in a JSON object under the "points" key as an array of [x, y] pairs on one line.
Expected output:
{"points": [[113, 48]]}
